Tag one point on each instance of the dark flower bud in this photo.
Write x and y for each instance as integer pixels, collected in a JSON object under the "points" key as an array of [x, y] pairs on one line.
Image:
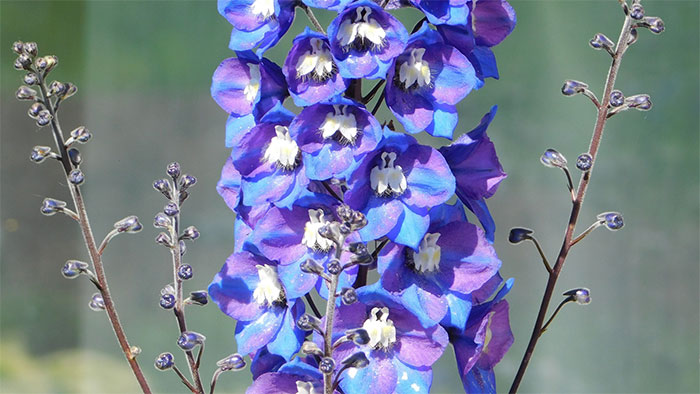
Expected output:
{"points": [[161, 221], [57, 88], [348, 295], [81, 134], [584, 162], [163, 186], [358, 220], [600, 41], [519, 234], [184, 272], [641, 102], [164, 361], [334, 267], [73, 268], [167, 301], [23, 62], [18, 47], [637, 11], [359, 335], [363, 259], [199, 297], [344, 212], [40, 153], [311, 348], [30, 79], [634, 34], [357, 360], [190, 232], [572, 87], [326, 365], [307, 322], [189, 339], [234, 362], [655, 24], [617, 98], [46, 63], [50, 206], [171, 209], [76, 177], [75, 157], [97, 303], [612, 220], [187, 181], [552, 158], [183, 248], [345, 229], [44, 118], [30, 48], [71, 90], [183, 196], [35, 109], [25, 93], [359, 248], [173, 169], [582, 296], [331, 231], [163, 239], [129, 224], [310, 266]]}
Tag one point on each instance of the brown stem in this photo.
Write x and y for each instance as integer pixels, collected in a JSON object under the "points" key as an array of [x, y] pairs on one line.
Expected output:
{"points": [[91, 245], [622, 44]]}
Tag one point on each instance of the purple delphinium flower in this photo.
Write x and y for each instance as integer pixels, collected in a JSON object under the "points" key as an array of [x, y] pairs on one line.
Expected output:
{"points": [[365, 39], [426, 82], [453, 257], [257, 293], [474, 163], [294, 377], [400, 351], [310, 69], [257, 23], [334, 137], [246, 87], [396, 185], [269, 161], [449, 12]]}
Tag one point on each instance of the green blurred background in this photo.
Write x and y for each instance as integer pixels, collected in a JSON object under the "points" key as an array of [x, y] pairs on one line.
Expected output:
{"points": [[144, 68]]}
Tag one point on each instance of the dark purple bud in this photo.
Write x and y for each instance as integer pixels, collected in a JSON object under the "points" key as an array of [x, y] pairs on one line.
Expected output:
{"points": [[364, 259], [357, 360], [30, 48], [311, 348], [44, 118], [161, 221], [164, 361], [71, 90], [344, 229], [617, 98], [75, 157], [183, 196], [18, 47], [40, 153], [30, 79], [572, 87], [190, 232], [46, 63], [310, 266], [552, 158], [308, 322], [163, 239], [81, 134], [637, 11], [334, 267], [167, 301], [326, 365], [187, 181], [51, 207], [184, 272], [348, 295], [171, 209], [97, 303], [76, 177], [584, 162], [173, 169], [199, 297], [656, 25], [189, 339], [57, 88], [600, 41], [129, 224], [183, 248], [163, 186], [359, 335], [641, 102], [234, 362], [73, 268], [634, 34], [35, 109], [25, 93], [358, 248], [582, 295], [23, 62], [519, 234], [612, 220]]}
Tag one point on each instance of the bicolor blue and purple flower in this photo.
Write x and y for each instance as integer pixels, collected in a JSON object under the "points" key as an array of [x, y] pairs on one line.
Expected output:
{"points": [[257, 23]]}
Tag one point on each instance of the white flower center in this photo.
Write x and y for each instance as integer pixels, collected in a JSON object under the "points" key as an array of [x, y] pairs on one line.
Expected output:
{"points": [[251, 90], [364, 33], [305, 388], [263, 8], [269, 289], [283, 150], [317, 62], [312, 239], [380, 328], [340, 121], [428, 257], [415, 70], [387, 179]]}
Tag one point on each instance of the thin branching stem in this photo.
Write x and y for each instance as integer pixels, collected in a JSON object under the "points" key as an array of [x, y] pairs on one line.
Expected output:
{"points": [[330, 314], [564, 302], [586, 232], [184, 379], [309, 12], [541, 252], [312, 305]]}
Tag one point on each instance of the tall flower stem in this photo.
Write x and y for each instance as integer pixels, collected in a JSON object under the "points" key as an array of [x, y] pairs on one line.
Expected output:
{"points": [[622, 45], [330, 314], [89, 238]]}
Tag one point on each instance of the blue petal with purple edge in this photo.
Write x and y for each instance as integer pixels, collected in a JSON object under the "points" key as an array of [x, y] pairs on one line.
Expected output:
{"points": [[459, 307], [298, 367], [410, 228], [428, 307], [280, 187], [380, 375], [484, 62], [479, 208], [479, 381], [251, 336], [296, 282], [492, 21], [446, 12], [333, 5], [412, 380], [445, 120], [446, 213], [237, 125], [289, 338], [264, 362], [383, 215]]}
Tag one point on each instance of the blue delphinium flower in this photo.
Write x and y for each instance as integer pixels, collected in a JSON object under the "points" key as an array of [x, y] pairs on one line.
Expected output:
{"points": [[453, 258], [295, 377], [365, 39], [334, 137], [396, 185], [247, 88], [257, 23], [438, 12], [426, 82], [473, 161]]}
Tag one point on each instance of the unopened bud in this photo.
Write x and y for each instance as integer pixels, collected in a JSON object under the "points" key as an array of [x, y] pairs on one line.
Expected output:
{"points": [[18, 47], [584, 162], [310, 266], [552, 158], [25, 93], [173, 169], [171, 209], [334, 267], [189, 339], [44, 118], [163, 186], [348, 295], [582, 296], [30, 79], [199, 297], [97, 303], [656, 25], [359, 335], [519, 234], [612, 220], [40, 153], [164, 361], [163, 239], [35, 109], [57, 88], [167, 301], [51, 206], [30, 48], [75, 157], [234, 362], [190, 232], [23, 62], [357, 360], [187, 181], [572, 87], [76, 177], [161, 221], [637, 11], [46, 63], [600, 41], [129, 224], [311, 348], [73, 268], [81, 134], [184, 272], [326, 365], [307, 322], [641, 102], [616, 98]]}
